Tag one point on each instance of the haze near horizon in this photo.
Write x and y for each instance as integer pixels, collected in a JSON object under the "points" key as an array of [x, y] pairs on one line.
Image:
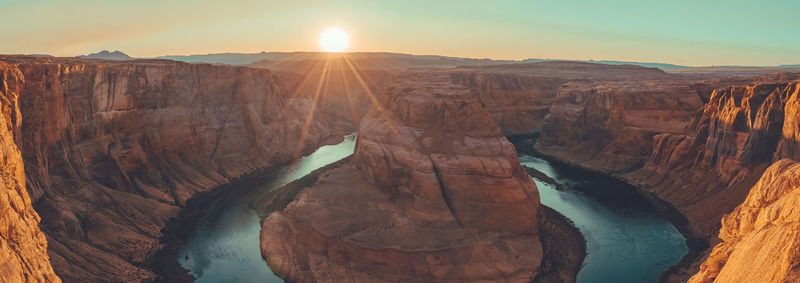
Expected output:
{"points": [[679, 32]]}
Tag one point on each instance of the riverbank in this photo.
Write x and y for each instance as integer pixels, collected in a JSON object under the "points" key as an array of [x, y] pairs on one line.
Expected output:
{"points": [[564, 248], [563, 244], [697, 244], [277, 199], [175, 234]]}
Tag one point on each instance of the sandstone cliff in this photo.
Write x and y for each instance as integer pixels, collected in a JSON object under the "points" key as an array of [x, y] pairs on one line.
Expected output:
{"points": [[519, 96], [697, 148], [760, 237], [113, 150], [708, 170], [652, 134], [434, 192], [23, 248]]}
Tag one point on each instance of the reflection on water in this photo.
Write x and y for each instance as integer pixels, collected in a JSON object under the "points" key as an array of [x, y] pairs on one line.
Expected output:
{"points": [[224, 247], [624, 242]]}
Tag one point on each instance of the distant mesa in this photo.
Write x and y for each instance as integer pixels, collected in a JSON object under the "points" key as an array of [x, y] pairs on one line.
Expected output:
{"points": [[106, 55]]}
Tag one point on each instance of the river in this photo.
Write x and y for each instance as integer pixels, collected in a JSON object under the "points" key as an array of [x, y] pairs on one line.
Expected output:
{"points": [[626, 240]]}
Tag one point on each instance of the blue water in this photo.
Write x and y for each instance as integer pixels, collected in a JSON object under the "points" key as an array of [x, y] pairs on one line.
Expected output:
{"points": [[623, 244], [224, 247]]}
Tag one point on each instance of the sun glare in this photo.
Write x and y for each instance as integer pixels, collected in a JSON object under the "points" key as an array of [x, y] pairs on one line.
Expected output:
{"points": [[334, 40]]}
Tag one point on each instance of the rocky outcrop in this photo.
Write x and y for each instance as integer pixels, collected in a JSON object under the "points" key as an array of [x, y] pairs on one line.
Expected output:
{"points": [[23, 247], [113, 150], [517, 103], [519, 96], [434, 192], [609, 125], [760, 237], [703, 162], [651, 134], [736, 135]]}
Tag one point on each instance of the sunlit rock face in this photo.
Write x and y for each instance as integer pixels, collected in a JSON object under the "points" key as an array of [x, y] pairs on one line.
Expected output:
{"points": [[434, 192], [760, 237], [695, 144], [736, 135], [23, 247], [652, 134], [113, 150]]}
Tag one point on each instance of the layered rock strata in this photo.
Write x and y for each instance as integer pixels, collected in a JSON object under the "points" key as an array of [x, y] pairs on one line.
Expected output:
{"points": [[651, 134], [760, 237], [519, 96], [113, 150], [703, 162], [23, 247], [434, 192]]}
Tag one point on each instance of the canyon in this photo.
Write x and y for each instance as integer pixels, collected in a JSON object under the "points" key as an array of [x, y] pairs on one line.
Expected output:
{"points": [[113, 150], [99, 157], [23, 248], [441, 193]]}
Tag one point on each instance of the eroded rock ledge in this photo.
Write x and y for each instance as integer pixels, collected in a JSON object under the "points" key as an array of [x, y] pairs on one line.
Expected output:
{"points": [[113, 150], [760, 237], [701, 146], [23, 248], [434, 192]]}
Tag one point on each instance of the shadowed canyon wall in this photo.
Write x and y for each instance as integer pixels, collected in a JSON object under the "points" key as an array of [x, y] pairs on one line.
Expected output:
{"points": [[113, 150], [665, 135], [23, 248], [699, 149]]}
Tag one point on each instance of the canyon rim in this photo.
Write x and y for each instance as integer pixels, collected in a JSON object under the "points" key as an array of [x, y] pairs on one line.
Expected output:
{"points": [[650, 150]]}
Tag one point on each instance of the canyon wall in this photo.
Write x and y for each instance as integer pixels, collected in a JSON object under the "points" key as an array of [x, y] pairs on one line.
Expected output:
{"points": [[113, 150], [678, 139], [519, 96], [434, 192], [700, 145], [708, 170], [23, 247], [517, 103], [760, 237]]}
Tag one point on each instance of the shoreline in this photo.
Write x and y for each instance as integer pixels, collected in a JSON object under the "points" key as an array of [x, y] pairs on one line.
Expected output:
{"points": [[558, 234], [164, 262], [555, 229], [696, 243]]}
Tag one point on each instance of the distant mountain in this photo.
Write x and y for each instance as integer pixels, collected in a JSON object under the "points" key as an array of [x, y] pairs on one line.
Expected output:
{"points": [[396, 60], [370, 60], [106, 55], [612, 62], [789, 66]]}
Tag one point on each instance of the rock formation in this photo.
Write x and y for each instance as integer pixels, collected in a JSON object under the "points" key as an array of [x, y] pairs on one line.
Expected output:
{"points": [[519, 96], [23, 247], [113, 150], [760, 237], [434, 192], [652, 134], [649, 133]]}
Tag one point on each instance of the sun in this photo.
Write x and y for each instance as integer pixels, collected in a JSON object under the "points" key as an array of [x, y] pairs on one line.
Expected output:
{"points": [[334, 40]]}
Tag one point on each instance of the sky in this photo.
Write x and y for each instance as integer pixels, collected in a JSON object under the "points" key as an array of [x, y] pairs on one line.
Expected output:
{"points": [[695, 33]]}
